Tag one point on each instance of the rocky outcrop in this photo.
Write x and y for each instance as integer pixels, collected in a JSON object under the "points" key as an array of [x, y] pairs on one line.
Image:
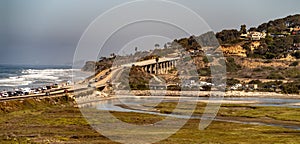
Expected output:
{"points": [[89, 66], [254, 45], [236, 50]]}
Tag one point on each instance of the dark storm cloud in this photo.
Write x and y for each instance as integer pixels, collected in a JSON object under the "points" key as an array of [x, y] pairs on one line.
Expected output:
{"points": [[47, 32]]}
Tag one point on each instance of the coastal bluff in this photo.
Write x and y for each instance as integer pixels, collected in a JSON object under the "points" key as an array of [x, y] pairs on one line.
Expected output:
{"points": [[89, 66]]}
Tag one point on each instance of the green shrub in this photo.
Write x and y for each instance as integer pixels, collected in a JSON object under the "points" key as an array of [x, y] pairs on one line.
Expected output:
{"points": [[290, 88], [138, 87], [231, 66], [297, 55], [268, 61], [292, 73], [294, 63], [257, 70], [270, 55], [232, 82], [174, 88], [275, 76], [268, 68], [204, 72], [255, 82]]}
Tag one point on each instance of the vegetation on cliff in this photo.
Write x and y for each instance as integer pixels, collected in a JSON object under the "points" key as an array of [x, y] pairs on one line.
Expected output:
{"points": [[271, 57], [282, 38]]}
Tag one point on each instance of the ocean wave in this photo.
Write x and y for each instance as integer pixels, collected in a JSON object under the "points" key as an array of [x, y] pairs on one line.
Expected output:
{"points": [[28, 77], [11, 79], [16, 84], [46, 71]]}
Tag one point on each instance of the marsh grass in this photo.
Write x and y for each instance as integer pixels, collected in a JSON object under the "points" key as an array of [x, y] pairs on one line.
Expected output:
{"points": [[241, 110], [63, 123]]}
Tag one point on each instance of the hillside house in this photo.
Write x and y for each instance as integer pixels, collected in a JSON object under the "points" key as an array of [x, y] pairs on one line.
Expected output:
{"points": [[244, 36], [253, 35], [278, 35], [295, 30], [257, 35]]}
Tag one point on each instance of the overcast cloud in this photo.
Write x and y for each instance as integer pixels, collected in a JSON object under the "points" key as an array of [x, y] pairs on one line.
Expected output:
{"points": [[47, 32]]}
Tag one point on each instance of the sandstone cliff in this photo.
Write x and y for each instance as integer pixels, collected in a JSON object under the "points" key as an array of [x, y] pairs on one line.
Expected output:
{"points": [[236, 50], [89, 66]]}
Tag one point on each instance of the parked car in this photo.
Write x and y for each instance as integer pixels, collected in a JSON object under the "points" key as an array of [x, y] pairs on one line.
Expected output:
{"points": [[36, 92], [10, 93], [4, 94], [55, 86], [19, 93], [32, 90], [44, 88]]}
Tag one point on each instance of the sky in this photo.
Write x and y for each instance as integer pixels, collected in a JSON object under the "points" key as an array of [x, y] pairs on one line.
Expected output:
{"points": [[47, 32]]}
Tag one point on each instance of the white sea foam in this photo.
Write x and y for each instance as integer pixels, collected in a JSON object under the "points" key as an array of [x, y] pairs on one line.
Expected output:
{"points": [[15, 84], [30, 76], [12, 79]]}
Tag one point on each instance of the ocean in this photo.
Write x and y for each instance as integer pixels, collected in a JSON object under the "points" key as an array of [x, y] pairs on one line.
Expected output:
{"points": [[21, 76]]}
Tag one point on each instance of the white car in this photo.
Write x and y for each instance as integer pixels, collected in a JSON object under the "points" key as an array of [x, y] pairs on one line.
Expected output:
{"points": [[36, 92], [69, 82], [26, 91], [4, 94]]}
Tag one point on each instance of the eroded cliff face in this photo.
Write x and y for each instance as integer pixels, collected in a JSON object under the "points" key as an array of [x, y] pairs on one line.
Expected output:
{"points": [[236, 50], [257, 63], [89, 66]]}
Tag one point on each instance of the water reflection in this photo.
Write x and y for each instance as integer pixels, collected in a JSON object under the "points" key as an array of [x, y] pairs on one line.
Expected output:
{"points": [[136, 104]]}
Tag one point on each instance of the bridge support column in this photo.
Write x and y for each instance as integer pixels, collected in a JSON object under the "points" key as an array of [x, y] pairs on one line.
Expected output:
{"points": [[173, 64], [161, 68], [165, 67], [150, 69]]}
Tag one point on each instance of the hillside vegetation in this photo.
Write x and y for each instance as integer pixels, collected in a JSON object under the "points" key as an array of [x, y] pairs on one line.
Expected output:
{"points": [[269, 53]]}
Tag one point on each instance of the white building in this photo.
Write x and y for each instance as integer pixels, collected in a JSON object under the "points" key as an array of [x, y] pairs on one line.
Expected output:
{"points": [[257, 35], [253, 35]]}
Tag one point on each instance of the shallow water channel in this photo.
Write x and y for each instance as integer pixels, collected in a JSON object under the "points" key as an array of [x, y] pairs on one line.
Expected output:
{"points": [[135, 104]]}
